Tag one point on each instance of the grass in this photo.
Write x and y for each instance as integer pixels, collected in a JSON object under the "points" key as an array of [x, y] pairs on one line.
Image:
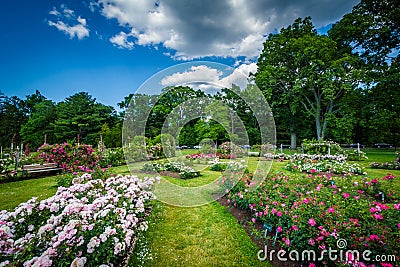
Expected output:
{"points": [[13, 193], [201, 236]]}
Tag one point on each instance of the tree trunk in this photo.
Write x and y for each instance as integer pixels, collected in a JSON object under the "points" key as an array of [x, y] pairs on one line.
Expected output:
{"points": [[293, 144]]}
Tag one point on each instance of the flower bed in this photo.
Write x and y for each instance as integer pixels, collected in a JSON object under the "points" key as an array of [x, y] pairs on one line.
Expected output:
{"points": [[200, 157], [231, 166], [185, 172], [312, 212], [329, 166], [387, 165], [93, 221], [312, 157]]}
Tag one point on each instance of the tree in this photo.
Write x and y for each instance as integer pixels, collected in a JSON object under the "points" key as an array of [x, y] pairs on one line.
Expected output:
{"points": [[40, 124], [303, 73], [372, 31], [80, 115], [12, 116]]}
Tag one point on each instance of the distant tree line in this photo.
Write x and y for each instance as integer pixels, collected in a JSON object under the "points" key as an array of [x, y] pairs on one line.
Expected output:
{"points": [[343, 86]]}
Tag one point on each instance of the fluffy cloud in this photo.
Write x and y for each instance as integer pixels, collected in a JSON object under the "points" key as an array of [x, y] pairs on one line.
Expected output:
{"points": [[78, 30], [121, 40], [225, 28], [206, 77]]}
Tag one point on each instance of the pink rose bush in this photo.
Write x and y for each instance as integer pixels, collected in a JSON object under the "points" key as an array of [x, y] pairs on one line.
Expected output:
{"points": [[311, 212], [70, 158], [92, 222]]}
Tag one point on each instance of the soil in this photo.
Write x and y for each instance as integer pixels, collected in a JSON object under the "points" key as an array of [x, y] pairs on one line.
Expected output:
{"points": [[244, 217]]}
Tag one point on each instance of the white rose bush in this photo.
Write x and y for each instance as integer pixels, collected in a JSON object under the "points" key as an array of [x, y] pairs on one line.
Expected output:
{"points": [[92, 222]]}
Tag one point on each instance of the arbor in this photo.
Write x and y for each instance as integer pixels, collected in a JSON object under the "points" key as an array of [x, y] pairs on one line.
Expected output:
{"points": [[303, 73]]}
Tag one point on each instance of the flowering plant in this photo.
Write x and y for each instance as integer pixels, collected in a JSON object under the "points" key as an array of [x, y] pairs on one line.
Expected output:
{"points": [[5, 164], [92, 221], [312, 212], [70, 158], [335, 167]]}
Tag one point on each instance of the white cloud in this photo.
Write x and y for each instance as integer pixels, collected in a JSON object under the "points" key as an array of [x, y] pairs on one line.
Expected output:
{"points": [[121, 40], [224, 28], [210, 77], [78, 30], [194, 74]]}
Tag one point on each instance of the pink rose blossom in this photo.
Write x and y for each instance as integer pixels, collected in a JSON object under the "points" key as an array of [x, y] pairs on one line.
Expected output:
{"points": [[312, 222]]}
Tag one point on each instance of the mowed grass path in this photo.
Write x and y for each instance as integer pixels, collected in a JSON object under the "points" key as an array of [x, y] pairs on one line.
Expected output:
{"points": [[207, 235]]}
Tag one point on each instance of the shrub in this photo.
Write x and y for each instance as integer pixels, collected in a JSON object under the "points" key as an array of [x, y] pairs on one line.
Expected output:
{"points": [[354, 155], [113, 157], [92, 221], [70, 158], [5, 166], [219, 166], [136, 149], [311, 212]]}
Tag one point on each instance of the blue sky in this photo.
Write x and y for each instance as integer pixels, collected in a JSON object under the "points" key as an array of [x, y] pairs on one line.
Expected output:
{"points": [[110, 47]]}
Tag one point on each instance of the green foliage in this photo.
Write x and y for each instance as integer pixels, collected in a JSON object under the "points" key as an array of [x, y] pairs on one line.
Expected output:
{"points": [[167, 143], [219, 166], [303, 73], [354, 155], [81, 115], [112, 157], [136, 149]]}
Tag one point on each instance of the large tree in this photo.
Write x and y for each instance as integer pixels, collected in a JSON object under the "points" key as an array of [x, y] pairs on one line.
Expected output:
{"points": [[13, 114], [372, 31], [80, 115], [40, 125], [301, 72]]}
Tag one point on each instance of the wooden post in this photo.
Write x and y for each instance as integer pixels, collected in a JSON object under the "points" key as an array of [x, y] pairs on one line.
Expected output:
{"points": [[45, 139], [358, 150], [281, 148]]}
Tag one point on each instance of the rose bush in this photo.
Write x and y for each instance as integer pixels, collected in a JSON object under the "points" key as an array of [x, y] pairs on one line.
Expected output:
{"points": [[70, 158], [93, 221], [312, 212]]}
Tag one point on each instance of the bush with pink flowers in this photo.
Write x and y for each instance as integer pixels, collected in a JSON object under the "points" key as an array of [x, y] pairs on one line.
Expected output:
{"points": [[93, 221], [312, 212], [70, 158]]}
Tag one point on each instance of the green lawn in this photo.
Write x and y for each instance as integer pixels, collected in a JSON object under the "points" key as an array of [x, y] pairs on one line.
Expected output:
{"points": [[11, 194], [201, 236]]}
